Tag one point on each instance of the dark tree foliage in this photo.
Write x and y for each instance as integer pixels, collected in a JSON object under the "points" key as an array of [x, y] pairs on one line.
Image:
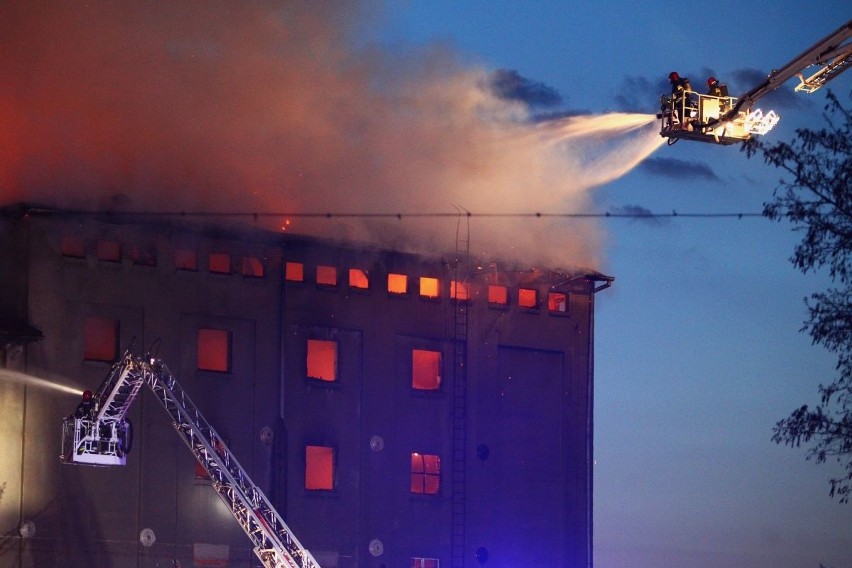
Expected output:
{"points": [[816, 198]]}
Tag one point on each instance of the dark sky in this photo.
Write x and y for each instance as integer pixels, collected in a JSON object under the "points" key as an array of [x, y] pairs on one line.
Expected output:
{"points": [[698, 352]]}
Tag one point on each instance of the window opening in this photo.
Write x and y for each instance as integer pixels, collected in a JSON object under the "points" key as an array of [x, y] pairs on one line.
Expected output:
{"points": [[294, 272], [327, 275], [100, 339], [219, 262], [459, 290], [186, 259], [429, 287], [557, 302], [498, 295], [425, 369], [322, 359], [109, 251], [214, 350], [527, 298], [201, 474], [319, 468], [358, 278], [143, 255], [252, 267], [397, 283], [425, 473], [72, 246]]}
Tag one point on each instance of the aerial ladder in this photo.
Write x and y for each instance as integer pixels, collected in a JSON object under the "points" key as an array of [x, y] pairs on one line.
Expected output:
{"points": [[99, 433], [727, 120]]}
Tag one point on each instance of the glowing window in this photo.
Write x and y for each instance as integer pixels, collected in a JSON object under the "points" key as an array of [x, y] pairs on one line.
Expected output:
{"points": [[73, 247], [424, 563], [429, 287], [425, 473], [109, 251], [425, 369], [214, 350], [358, 278], [397, 283], [557, 302], [322, 359], [186, 259], [459, 290], [143, 255], [219, 262], [100, 339], [294, 272], [498, 295], [327, 275], [319, 468], [252, 267], [527, 298]]}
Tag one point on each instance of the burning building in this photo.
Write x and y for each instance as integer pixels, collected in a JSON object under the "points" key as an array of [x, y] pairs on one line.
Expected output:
{"points": [[397, 409]]}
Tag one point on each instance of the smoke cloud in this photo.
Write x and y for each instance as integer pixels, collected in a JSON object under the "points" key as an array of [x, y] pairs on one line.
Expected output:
{"points": [[639, 214], [679, 169], [509, 84], [263, 107]]}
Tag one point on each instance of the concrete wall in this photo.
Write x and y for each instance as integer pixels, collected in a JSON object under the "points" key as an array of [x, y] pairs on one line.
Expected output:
{"points": [[527, 378]]}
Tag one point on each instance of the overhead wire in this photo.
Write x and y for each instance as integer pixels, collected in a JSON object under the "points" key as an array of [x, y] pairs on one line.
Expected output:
{"points": [[400, 215]]}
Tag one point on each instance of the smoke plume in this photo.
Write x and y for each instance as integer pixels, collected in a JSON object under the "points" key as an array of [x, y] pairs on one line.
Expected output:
{"points": [[268, 107]]}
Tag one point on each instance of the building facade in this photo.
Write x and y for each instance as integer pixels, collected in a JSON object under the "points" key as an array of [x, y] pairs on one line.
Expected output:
{"points": [[397, 409]]}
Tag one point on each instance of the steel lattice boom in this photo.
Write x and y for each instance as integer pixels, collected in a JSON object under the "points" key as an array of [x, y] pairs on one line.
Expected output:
{"points": [[99, 434]]}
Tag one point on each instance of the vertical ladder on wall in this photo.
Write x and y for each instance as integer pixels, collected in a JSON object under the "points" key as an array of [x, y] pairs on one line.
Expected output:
{"points": [[460, 272]]}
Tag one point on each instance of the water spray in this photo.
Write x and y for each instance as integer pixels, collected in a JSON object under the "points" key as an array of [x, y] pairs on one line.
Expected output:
{"points": [[29, 380]]}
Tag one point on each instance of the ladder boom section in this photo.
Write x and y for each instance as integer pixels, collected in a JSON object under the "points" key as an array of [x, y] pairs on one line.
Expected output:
{"points": [[93, 436], [728, 120], [98, 432], [275, 544], [827, 72], [832, 52], [118, 391]]}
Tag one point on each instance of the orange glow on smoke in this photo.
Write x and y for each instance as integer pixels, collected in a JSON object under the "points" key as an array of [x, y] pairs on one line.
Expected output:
{"points": [[270, 107]]}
